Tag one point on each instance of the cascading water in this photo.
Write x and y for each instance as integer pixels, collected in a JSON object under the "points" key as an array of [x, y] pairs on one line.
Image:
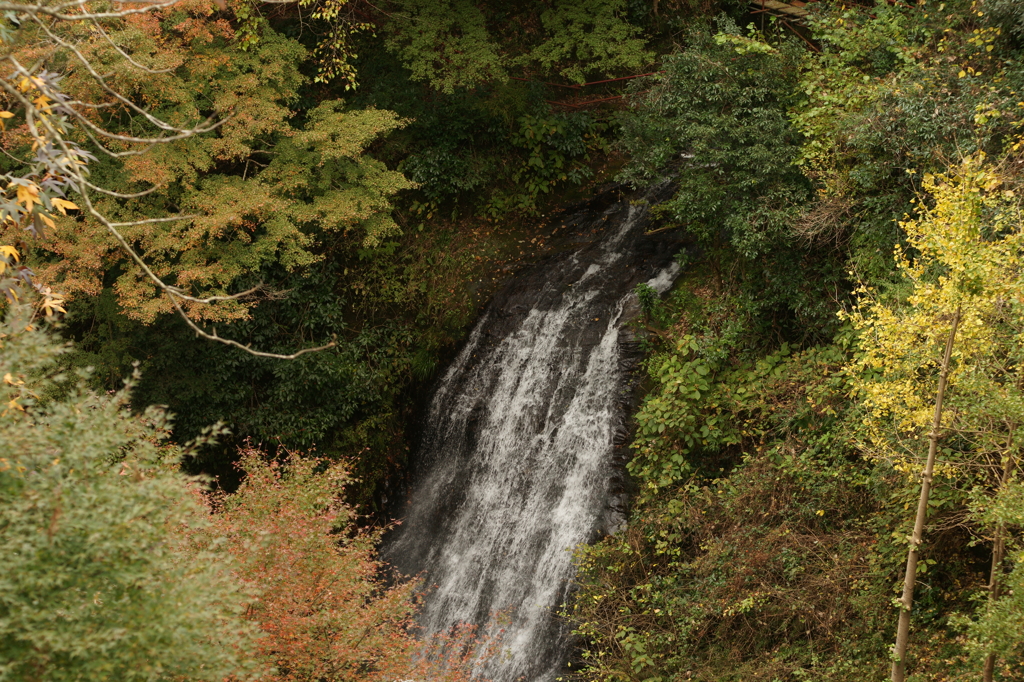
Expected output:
{"points": [[515, 465]]}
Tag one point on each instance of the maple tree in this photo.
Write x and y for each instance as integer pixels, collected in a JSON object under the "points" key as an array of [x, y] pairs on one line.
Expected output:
{"points": [[120, 567], [324, 607], [175, 155]]}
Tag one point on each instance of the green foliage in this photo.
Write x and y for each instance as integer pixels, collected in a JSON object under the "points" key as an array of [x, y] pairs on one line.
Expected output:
{"points": [[894, 94], [335, 51], [763, 545], [722, 109], [445, 173], [587, 36], [1006, 15], [745, 477], [716, 120], [445, 43], [1000, 623], [457, 44], [333, 185], [651, 305], [555, 148], [390, 310], [334, 25], [102, 579]]}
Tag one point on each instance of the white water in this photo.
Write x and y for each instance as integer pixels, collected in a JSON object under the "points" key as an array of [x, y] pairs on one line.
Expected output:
{"points": [[517, 454]]}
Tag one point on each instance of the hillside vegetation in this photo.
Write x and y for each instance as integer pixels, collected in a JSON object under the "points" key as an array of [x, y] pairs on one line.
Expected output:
{"points": [[189, 187]]}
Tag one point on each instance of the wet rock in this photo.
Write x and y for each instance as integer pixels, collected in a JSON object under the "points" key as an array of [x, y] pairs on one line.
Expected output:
{"points": [[525, 441]]}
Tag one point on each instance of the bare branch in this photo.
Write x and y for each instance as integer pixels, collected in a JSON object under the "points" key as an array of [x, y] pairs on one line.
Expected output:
{"points": [[116, 155], [58, 12], [13, 157], [184, 135], [229, 342], [149, 221], [122, 195], [159, 123], [213, 299]]}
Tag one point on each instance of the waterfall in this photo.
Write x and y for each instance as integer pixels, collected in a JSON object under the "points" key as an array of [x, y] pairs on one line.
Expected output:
{"points": [[515, 467]]}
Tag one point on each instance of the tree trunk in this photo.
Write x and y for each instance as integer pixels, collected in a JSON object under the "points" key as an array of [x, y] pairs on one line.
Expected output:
{"points": [[899, 664], [998, 552]]}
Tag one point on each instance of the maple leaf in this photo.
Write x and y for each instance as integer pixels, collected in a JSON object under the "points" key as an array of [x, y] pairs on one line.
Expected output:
{"points": [[8, 379], [52, 305], [8, 256], [63, 204], [28, 195]]}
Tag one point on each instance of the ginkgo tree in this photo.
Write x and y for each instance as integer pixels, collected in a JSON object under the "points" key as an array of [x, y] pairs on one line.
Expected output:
{"points": [[940, 370]]}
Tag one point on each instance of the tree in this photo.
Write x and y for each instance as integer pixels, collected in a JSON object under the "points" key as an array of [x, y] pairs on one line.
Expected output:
{"points": [[458, 44], [716, 121], [323, 606], [997, 630], [159, 119], [111, 571], [960, 280]]}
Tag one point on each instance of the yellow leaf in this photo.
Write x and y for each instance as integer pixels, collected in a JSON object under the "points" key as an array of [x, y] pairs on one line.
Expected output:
{"points": [[28, 196], [6, 114], [9, 252], [52, 305], [961, 74], [63, 204]]}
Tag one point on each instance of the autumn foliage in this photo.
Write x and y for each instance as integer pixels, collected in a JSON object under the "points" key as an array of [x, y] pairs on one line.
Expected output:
{"points": [[324, 608], [259, 189]]}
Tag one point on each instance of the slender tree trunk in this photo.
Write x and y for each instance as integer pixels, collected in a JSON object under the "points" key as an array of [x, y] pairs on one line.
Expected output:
{"points": [[998, 552], [899, 664]]}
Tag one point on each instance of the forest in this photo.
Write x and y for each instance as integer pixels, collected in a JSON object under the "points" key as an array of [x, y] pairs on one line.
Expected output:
{"points": [[241, 240]]}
